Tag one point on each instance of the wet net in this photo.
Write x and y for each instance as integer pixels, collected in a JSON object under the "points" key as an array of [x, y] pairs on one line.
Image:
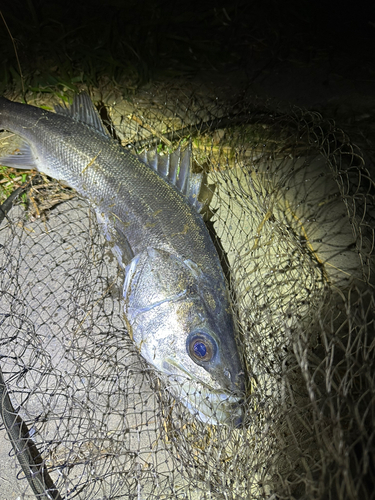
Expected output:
{"points": [[292, 215]]}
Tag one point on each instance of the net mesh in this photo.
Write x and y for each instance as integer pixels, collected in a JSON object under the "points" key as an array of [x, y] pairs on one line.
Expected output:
{"points": [[292, 214]]}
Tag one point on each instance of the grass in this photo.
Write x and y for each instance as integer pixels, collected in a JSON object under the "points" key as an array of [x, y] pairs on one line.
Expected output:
{"points": [[59, 48], [53, 48], [127, 45], [11, 179], [66, 44]]}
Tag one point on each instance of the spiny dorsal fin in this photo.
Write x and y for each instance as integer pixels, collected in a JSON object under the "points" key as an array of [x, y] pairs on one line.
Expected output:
{"points": [[176, 169], [83, 110]]}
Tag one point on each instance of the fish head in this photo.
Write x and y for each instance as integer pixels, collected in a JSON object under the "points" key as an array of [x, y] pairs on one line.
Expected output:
{"points": [[182, 323]]}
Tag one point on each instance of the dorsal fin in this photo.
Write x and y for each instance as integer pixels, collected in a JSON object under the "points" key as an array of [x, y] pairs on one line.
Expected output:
{"points": [[176, 169], [82, 110]]}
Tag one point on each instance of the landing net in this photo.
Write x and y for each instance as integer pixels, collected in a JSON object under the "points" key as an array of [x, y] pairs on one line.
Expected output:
{"points": [[292, 214]]}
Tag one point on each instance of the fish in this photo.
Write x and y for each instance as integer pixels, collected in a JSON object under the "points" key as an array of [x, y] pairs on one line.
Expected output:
{"points": [[177, 306]]}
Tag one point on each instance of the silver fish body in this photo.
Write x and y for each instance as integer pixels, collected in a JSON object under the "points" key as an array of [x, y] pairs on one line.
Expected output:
{"points": [[177, 306]]}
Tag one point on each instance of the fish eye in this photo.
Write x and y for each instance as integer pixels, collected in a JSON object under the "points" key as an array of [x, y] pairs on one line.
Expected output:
{"points": [[201, 347]]}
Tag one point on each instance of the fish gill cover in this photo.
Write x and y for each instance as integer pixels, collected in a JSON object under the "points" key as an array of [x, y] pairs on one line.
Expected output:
{"points": [[292, 216]]}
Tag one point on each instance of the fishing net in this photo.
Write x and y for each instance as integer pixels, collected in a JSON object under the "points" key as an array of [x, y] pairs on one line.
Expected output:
{"points": [[292, 215]]}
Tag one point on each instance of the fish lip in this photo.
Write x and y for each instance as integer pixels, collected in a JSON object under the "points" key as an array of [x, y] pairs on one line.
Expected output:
{"points": [[237, 381], [217, 406], [233, 398], [229, 393], [173, 362]]}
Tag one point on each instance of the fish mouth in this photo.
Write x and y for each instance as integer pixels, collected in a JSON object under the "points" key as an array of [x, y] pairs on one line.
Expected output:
{"points": [[170, 363], [211, 405], [234, 390], [174, 368]]}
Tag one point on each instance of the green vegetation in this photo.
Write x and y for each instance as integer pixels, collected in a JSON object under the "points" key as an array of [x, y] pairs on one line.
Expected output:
{"points": [[61, 46], [58, 48], [11, 179]]}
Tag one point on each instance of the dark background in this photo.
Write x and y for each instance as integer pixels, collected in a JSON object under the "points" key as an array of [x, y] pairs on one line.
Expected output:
{"points": [[316, 54]]}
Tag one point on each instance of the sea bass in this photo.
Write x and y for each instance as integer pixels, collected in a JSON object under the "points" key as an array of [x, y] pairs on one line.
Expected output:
{"points": [[177, 306]]}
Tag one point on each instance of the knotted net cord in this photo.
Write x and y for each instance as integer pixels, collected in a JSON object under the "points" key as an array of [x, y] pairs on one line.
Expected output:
{"points": [[292, 211]]}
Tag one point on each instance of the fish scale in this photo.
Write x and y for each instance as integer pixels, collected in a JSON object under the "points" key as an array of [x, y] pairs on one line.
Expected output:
{"points": [[96, 172], [185, 327]]}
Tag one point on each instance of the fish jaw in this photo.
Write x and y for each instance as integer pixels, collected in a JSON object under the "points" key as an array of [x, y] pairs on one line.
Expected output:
{"points": [[138, 208], [168, 303], [210, 406]]}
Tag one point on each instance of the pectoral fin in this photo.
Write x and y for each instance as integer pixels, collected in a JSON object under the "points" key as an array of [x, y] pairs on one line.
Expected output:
{"points": [[115, 232], [23, 158]]}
